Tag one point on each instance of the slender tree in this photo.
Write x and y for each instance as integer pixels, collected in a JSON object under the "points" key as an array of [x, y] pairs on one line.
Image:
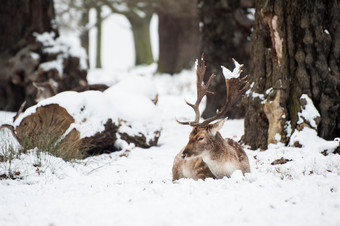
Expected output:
{"points": [[139, 14], [99, 36]]}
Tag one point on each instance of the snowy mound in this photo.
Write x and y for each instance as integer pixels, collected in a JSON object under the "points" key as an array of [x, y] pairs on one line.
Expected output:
{"points": [[134, 84]]}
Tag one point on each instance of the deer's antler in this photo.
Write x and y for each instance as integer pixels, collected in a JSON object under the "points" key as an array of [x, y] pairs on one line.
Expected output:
{"points": [[202, 90], [235, 88]]}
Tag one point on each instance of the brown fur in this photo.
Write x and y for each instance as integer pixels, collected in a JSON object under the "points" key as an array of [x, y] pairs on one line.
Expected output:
{"points": [[196, 167], [207, 154]]}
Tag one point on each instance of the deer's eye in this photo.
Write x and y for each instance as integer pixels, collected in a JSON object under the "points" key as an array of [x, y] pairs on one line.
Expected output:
{"points": [[200, 139]]}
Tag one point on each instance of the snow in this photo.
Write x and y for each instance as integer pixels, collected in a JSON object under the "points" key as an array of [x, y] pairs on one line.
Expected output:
{"points": [[254, 95], [92, 109], [46, 38], [308, 138], [136, 84], [134, 187], [64, 48], [35, 56], [308, 112], [235, 73], [54, 64]]}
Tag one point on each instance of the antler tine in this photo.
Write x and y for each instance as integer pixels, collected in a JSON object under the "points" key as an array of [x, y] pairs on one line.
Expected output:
{"points": [[202, 90], [236, 88]]}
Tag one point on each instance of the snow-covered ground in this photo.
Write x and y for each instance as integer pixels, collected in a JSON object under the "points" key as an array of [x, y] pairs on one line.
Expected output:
{"points": [[135, 188]]}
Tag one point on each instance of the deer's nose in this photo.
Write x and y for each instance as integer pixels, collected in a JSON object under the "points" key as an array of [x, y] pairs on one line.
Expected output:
{"points": [[185, 154]]}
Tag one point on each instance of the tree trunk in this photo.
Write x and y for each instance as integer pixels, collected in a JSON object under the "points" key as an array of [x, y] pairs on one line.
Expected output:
{"points": [[179, 40], [84, 36], [225, 35], [25, 61], [295, 51], [30, 16], [140, 26], [99, 37]]}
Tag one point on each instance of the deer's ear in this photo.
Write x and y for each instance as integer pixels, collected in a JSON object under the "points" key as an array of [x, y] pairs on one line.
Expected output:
{"points": [[217, 126]]}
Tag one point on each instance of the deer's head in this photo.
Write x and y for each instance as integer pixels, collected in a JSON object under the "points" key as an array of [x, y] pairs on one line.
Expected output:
{"points": [[203, 139], [204, 136]]}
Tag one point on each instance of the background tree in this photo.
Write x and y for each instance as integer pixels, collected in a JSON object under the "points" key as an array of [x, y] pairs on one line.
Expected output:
{"points": [[226, 28], [179, 35], [139, 14], [74, 16], [295, 51], [99, 20], [25, 61]]}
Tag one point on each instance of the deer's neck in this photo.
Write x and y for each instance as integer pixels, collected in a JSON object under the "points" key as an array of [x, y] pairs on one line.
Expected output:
{"points": [[218, 147], [219, 160]]}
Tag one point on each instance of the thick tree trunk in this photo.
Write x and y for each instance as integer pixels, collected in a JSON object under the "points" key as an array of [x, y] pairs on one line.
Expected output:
{"points": [[15, 34], [295, 51], [179, 39], [26, 61], [225, 35], [30, 16], [141, 34]]}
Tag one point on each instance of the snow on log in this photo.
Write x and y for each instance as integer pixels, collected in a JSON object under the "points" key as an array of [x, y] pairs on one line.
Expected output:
{"points": [[91, 122]]}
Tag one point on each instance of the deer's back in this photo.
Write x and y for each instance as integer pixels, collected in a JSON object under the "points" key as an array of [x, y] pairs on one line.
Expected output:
{"points": [[241, 156]]}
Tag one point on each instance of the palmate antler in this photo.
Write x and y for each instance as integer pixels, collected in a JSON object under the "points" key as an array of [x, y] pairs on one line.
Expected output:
{"points": [[235, 88]]}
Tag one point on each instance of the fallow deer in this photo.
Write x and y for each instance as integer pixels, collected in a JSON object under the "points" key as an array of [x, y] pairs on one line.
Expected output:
{"points": [[207, 154]]}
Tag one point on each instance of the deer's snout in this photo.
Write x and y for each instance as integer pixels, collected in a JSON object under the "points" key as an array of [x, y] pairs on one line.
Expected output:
{"points": [[186, 154]]}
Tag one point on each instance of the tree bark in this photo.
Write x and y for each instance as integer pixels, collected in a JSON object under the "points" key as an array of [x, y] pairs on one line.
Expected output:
{"points": [[179, 37], [295, 51], [84, 36], [30, 16], [226, 29], [22, 55]]}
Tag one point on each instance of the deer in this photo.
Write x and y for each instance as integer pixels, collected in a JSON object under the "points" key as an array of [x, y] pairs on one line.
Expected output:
{"points": [[207, 154]]}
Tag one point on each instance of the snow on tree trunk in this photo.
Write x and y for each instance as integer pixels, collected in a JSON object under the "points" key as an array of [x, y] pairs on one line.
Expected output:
{"points": [[294, 65], [31, 53]]}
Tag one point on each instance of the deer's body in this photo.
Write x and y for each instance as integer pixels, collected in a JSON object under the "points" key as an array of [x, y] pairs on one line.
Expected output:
{"points": [[207, 154]]}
